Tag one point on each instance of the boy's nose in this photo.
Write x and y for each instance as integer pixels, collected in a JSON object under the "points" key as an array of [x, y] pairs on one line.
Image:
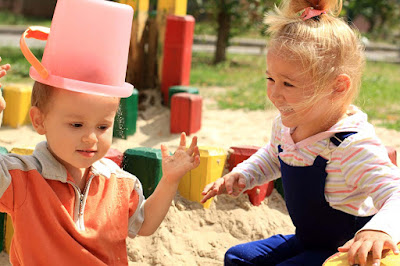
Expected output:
{"points": [[90, 137]]}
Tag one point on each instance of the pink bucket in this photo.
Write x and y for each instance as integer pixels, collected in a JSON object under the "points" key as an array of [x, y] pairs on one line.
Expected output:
{"points": [[87, 48]]}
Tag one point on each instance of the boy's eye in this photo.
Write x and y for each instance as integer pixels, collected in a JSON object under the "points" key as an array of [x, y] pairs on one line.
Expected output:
{"points": [[287, 84], [270, 79], [76, 125], [103, 127]]}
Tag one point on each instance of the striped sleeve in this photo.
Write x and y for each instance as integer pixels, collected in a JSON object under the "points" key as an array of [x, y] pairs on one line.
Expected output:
{"points": [[367, 168], [263, 166]]}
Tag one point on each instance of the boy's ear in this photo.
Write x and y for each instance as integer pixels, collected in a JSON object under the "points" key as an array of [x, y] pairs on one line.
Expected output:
{"points": [[37, 119]]}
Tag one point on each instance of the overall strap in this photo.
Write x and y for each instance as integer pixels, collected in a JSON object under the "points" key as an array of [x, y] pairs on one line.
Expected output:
{"points": [[338, 138]]}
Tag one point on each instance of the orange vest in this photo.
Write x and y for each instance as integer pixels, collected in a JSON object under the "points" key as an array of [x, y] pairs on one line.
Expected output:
{"points": [[57, 224]]}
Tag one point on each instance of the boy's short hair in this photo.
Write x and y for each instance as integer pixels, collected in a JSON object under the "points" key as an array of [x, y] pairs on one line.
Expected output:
{"points": [[41, 96]]}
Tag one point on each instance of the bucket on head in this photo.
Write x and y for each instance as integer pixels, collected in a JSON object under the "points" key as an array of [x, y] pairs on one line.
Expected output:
{"points": [[87, 48]]}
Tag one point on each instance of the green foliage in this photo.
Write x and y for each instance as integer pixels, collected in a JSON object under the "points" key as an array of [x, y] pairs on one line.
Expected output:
{"points": [[8, 18], [383, 15], [245, 14], [19, 71]]}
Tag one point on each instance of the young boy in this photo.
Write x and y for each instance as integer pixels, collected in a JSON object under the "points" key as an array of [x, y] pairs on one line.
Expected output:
{"points": [[69, 205]]}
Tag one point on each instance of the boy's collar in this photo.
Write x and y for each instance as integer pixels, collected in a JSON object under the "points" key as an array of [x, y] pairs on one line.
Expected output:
{"points": [[54, 170]]}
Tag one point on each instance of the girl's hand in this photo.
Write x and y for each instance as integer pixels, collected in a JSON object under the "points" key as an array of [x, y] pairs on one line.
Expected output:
{"points": [[366, 241], [176, 166], [232, 184]]}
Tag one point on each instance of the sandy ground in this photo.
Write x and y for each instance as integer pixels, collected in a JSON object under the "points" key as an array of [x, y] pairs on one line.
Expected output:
{"points": [[190, 234]]}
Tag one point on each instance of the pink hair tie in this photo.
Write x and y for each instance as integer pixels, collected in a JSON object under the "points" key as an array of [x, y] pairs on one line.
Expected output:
{"points": [[311, 12]]}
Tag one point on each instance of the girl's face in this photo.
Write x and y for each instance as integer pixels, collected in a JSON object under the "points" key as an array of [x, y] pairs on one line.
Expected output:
{"points": [[289, 88]]}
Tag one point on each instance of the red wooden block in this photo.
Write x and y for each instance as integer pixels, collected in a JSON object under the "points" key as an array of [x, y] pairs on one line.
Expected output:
{"points": [[177, 58], [392, 154], [185, 113], [258, 194], [237, 155], [115, 155]]}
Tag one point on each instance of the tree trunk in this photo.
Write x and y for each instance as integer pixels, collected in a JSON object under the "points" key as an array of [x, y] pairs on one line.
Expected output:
{"points": [[224, 26]]}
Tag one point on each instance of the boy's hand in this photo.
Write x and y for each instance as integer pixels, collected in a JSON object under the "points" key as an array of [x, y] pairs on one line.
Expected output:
{"points": [[176, 166], [3, 72], [232, 184], [366, 241]]}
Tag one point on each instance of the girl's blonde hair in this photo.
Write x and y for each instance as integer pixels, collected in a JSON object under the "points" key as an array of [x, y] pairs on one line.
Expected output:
{"points": [[326, 45]]}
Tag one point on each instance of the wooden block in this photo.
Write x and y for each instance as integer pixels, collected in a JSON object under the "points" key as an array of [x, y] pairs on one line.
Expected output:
{"points": [[165, 8], [212, 164], [115, 155], [3, 217], [173, 7], [238, 154], [145, 164], [18, 100], [126, 118], [178, 89], [185, 113], [177, 53], [9, 234], [22, 150]]}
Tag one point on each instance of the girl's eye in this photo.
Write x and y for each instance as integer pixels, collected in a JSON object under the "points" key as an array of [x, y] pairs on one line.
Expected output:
{"points": [[287, 84], [270, 79], [76, 125]]}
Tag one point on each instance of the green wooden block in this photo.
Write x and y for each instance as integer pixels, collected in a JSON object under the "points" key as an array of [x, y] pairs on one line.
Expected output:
{"points": [[279, 186], [125, 120], [145, 164], [2, 230], [3, 150], [177, 89]]}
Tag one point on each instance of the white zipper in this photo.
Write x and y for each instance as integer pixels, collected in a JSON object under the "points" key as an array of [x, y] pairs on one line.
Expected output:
{"points": [[80, 205]]}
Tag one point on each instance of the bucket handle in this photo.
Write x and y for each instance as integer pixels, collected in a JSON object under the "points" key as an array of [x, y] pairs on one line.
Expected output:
{"points": [[39, 33]]}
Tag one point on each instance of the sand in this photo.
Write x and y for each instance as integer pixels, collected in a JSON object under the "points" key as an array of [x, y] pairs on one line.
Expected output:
{"points": [[190, 234]]}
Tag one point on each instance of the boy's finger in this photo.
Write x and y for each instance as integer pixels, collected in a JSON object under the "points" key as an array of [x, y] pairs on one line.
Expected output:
{"points": [[164, 151], [183, 140]]}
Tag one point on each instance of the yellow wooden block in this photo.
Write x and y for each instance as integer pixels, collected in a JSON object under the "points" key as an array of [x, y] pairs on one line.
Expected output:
{"points": [[22, 151], [172, 7], [9, 234], [212, 164], [340, 259], [18, 100], [137, 5]]}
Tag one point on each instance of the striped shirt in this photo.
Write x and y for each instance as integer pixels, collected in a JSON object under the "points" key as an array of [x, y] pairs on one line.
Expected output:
{"points": [[361, 179]]}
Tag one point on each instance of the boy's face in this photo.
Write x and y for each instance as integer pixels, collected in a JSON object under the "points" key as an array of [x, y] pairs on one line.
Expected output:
{"points": [[79, 127]]}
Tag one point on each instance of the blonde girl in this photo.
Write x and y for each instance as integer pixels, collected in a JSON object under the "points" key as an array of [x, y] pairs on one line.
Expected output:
{"points": [[341, 190]]}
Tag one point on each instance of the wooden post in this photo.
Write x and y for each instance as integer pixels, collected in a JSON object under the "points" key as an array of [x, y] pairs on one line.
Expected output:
{"points": [[134, 72], [165, 8]]}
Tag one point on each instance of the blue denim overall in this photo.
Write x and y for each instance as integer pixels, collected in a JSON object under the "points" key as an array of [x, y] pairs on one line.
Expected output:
{"points": [[320, 229]]}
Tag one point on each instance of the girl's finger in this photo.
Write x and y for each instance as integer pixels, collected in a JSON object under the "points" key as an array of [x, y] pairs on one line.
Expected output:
{"points": [[377, 252], [363, 252], [351, 254]]}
